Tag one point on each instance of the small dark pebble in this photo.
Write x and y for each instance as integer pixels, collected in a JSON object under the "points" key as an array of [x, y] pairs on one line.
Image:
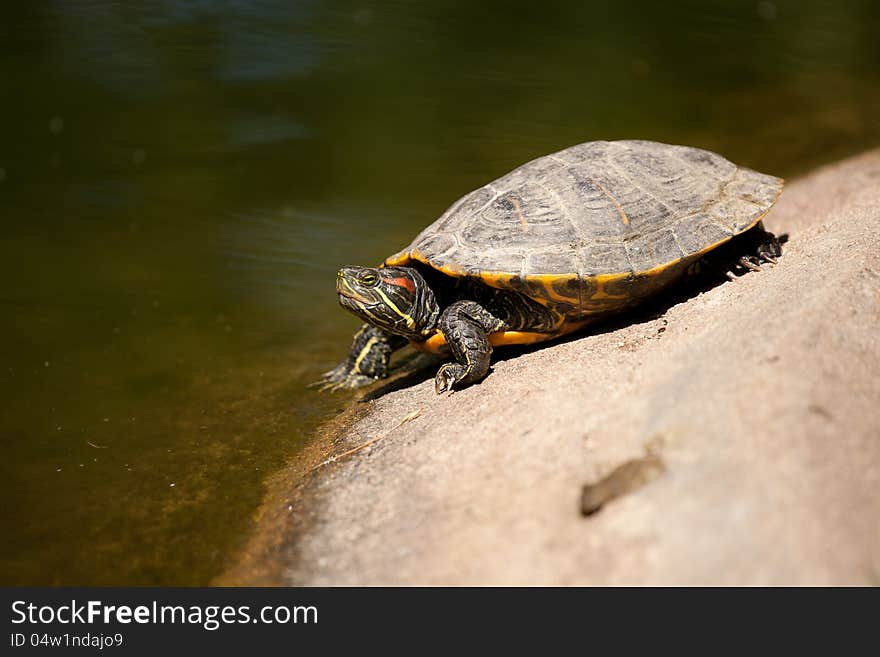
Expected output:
{"points": [[624, 479]]}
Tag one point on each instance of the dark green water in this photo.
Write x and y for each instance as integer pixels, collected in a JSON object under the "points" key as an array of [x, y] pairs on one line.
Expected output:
{"points": [[180, 180]]}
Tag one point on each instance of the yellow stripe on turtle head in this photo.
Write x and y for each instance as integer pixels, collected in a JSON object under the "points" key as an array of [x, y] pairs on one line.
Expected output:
{"points": [[410, 322]]}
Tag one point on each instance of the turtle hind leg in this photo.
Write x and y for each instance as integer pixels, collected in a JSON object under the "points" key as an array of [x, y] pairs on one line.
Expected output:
{"points": [[771, 248], [759, 247], [367, 360], [466, 326]]}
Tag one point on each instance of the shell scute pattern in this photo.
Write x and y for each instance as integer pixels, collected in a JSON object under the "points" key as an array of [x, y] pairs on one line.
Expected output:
{"points": [[698, 231], [534, 171], [655, 249], [602, 258]]}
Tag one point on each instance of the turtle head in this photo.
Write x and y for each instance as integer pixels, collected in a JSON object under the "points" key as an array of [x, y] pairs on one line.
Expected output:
{"points": [[395, 299]]}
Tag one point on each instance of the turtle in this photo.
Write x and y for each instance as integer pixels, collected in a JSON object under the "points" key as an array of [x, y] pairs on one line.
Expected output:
{"points": [[558, 243]]}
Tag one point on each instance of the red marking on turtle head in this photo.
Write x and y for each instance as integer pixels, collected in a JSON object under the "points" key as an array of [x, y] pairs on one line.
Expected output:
{"points": [[402, 281]]}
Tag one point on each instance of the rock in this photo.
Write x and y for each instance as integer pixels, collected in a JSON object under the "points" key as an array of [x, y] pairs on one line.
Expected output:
{"points": [[761, 396]]}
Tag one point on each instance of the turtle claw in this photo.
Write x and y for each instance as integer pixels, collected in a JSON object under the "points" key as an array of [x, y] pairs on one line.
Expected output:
{"points": [[349, 383], [341, 378], [749, 262], [447, 376]]}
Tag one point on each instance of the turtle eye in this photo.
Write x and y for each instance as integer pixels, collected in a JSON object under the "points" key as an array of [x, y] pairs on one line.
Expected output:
{"points": [[368, 280]]}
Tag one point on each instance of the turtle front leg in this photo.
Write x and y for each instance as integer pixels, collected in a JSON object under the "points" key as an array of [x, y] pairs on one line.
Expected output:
{"points": [[466, 325], [367, 359]]}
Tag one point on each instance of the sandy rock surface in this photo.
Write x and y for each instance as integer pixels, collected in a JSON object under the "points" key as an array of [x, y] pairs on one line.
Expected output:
{"points": [[760, 396]]}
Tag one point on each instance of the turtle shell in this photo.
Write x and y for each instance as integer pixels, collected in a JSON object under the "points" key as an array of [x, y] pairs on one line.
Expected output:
{"points": [[596, 226]]}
